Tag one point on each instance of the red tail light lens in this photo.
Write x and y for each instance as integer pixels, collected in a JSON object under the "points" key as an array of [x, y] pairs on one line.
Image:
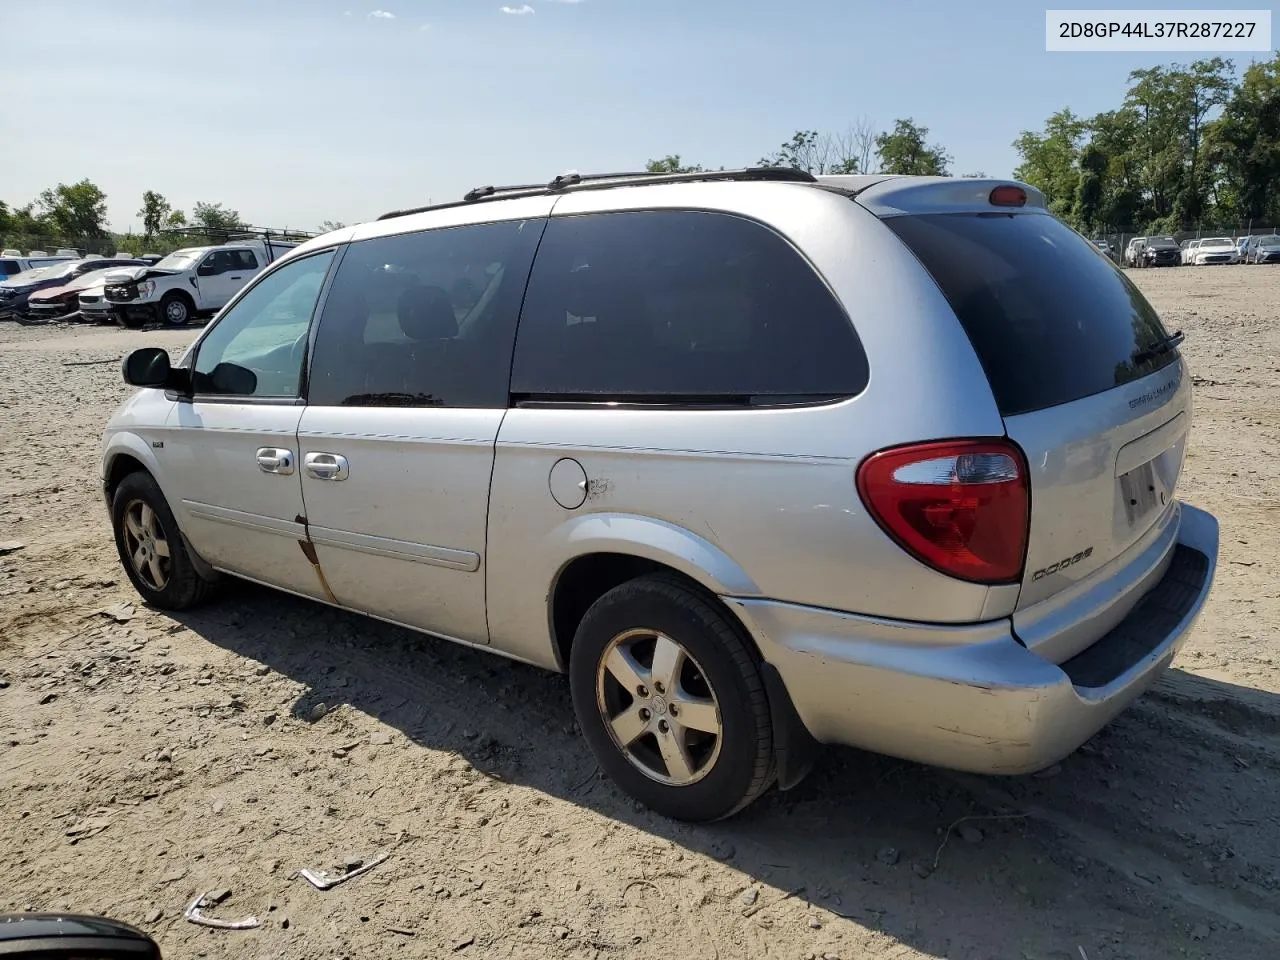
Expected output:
{"points": [[1008, 196], [963, 507]]}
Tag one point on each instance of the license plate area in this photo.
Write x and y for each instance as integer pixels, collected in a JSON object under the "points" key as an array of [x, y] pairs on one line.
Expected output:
{"points": [[1143, 491]]}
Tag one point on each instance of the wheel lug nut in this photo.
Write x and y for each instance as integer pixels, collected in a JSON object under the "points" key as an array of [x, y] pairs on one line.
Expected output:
{"points": [[673, 710], [662, 725], [642, 690], [644, 714], [658, 687]]}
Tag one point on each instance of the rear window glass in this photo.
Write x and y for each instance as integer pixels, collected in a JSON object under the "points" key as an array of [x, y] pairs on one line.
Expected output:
{"points": [[680, 306], [9, 267], [1050, 320]]}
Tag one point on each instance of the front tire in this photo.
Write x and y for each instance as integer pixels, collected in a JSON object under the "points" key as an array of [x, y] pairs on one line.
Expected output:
{"points": [[151, 547], [175, 311], [671, 701]]}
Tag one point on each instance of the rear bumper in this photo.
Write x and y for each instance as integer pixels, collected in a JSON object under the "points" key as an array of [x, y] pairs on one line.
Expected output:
{"points": [[971, 697]]}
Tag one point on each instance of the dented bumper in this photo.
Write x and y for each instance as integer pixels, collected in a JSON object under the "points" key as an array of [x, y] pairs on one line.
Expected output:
{"points": [[971, 697]]}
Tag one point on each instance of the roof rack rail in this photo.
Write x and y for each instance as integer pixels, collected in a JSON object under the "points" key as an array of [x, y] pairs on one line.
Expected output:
{"points": [[598, 181]]}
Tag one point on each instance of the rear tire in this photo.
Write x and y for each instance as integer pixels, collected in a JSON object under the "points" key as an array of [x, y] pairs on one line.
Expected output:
{"points": [[151, 547], [651, 645]]}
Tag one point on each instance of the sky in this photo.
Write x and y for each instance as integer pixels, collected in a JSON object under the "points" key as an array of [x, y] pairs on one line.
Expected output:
{"points": [[294, 112]]}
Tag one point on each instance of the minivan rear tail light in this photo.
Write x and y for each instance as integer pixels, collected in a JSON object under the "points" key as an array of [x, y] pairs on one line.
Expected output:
{"points": [[962, 507], [1008, 196]]}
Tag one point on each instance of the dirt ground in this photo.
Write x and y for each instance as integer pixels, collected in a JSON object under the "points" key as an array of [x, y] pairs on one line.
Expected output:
{"points": [[146, 758]]}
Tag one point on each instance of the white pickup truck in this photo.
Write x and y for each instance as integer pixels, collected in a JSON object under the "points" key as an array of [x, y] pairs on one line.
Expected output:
{"points": [[187, 283]]}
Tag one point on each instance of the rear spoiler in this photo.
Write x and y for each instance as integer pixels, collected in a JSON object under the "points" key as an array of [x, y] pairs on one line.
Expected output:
{"points": [[890, 195]]}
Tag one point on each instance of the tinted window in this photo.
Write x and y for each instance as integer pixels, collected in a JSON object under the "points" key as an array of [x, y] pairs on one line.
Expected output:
{"points": [[264, 332], [1050, 320], [680, 305], [9, 267], [424, 319], [243, 260]]}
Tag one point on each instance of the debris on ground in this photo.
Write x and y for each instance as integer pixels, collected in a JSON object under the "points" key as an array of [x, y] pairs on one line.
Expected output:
{"points": [[211, 899], [353, 868]]}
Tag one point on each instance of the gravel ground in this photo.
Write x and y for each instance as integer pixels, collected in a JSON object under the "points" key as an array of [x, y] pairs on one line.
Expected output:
{"points": [[146, 758]]}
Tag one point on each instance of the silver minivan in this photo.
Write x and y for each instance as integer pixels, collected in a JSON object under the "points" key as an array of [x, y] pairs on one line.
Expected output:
{"points": [[761, 460]]}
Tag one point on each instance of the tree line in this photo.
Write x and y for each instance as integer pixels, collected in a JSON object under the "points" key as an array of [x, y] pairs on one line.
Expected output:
{"points": [[1188, 146], [76, 214], [859, 148]]}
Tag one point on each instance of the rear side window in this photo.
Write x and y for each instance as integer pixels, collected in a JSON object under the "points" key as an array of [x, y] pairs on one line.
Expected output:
{"points": [[675, 306], [9, 267], [1050, 320], [424, 319]]}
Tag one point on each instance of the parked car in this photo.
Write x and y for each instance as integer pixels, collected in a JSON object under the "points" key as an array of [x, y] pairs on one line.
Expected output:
{"points": [[15, 291], [1215, 250], [1160, 252], [188, 282], [63, 299], [685, 448], [1104, 248], [1133, 252], [1188, 248], [1263, 249], [11, 264]]}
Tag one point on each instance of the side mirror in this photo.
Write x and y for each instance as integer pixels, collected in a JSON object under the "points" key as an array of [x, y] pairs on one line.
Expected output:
{"points": [[51, 936], [146, 367]]}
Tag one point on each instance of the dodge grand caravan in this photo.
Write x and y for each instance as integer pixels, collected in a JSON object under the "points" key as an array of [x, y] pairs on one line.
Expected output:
{"points": [[761, 460]]}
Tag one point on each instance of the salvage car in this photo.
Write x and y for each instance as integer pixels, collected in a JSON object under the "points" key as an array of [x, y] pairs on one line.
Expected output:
{"points": [[63, 299], [665, 433], [15, 292]]}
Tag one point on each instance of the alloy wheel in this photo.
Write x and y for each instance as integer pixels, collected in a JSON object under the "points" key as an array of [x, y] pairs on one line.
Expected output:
{"points": [[146, 545], [659, 708]]}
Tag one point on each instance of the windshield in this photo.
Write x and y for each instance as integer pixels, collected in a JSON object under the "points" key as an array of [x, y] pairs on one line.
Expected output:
{"points": [[28, 276], [1218, 242], [1162, 244], [1269, 242], [178, 260]]}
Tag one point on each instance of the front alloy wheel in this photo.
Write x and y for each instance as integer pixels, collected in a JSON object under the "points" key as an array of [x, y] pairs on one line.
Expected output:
{"points": [[151, 547], [146, 545]]}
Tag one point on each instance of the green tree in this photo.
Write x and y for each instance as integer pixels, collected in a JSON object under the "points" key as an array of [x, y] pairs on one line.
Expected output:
{"points": [[330, 225], [1090, 189], [672, 164], [1049, 160], [1244, 144], [1173, 104], [154, 213], [904, 150], [76, 210], [176, 218], [215, 216]]}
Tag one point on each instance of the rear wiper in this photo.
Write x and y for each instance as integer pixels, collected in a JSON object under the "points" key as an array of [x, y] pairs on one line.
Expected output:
{"points": [[1163, 345]]}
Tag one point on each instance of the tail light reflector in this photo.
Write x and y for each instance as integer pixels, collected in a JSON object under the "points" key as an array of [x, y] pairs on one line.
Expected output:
{"points": [[962, 507]]}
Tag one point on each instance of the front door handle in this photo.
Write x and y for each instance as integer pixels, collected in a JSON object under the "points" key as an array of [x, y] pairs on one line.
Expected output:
{"points": [[275, 460], [326, 466]]}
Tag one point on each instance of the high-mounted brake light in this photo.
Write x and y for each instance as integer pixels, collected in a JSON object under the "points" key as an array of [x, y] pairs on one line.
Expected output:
{"points": [[1008, 196], [961, 507]]}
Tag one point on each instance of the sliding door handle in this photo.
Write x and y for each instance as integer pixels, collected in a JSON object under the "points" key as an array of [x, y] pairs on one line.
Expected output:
{"points": [[326, 466]]}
